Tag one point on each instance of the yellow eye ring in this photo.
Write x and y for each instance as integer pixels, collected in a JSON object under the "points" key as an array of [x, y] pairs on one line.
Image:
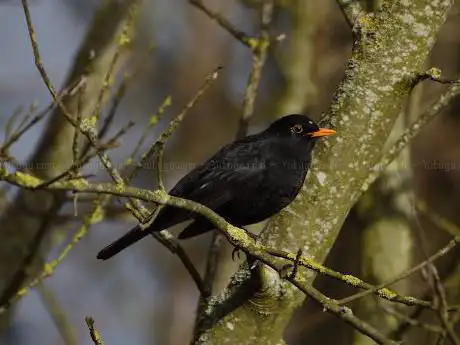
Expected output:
{"points": [[297, 129]]}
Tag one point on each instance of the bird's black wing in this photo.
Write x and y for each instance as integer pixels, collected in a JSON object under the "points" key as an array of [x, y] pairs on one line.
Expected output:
{"points": [[236, 167]]}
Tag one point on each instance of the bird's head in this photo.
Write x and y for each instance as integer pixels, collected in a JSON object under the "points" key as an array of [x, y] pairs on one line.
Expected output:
{"points": [[299, 126]]}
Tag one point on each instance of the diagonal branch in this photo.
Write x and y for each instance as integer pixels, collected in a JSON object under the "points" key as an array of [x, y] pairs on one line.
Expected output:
{"points": [[351, 10], [410, 133], [224, 23]]}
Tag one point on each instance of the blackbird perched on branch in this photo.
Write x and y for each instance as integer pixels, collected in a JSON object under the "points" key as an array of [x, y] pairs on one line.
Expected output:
{"points": [[245, 182]]}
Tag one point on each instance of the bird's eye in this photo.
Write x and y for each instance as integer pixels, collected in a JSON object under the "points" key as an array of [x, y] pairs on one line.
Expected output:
{"points": [[297, 129]]}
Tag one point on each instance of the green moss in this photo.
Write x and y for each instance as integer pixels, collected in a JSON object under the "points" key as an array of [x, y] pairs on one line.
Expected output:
{"points": [[124, 38], [3, 171], [98, 215], [78, 184], [88, 123], [367, 22], [48, 268], [167, 102], [410, 299], [387, 293], [22, 292], [109, 82], [352, 280], [253, 42], [238, 235], [435, 73], [153, 120], [27, 181], [312, 264]]}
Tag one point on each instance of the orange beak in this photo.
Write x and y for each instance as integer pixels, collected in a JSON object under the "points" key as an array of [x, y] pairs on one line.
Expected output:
{"points": [[322, 132]]}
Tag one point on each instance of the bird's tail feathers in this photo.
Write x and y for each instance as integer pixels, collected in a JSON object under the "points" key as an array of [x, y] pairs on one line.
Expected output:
{"points": [[133, 235]]}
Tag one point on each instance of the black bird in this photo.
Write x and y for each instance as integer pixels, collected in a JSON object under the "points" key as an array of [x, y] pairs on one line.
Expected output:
{"points": [[245, 182]]}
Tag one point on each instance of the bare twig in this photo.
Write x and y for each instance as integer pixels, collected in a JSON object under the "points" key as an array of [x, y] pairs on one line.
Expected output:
{"points": [[151, 125], [95, 216], [351, 10], [120, 93], [410, 133], [22, 129], [413, 322], [344, 313], [95, 336], [434, 74], [175, 123], [443, 310], [52, 305], [443, 251], [258, 61], [442, 307], [224, 23], [441, 222], [351, 280]]}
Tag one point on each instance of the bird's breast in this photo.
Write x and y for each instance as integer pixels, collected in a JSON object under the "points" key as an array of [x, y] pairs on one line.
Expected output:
{"points": [[286, 177]]}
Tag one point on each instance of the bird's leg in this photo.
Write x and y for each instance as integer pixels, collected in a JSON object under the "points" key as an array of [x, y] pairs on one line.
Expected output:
{"points": [[295, 267], [237, 250]]}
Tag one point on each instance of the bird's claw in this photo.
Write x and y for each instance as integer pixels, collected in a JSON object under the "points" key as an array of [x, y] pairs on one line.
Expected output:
{"points": [[236, 251], [283, 272]]}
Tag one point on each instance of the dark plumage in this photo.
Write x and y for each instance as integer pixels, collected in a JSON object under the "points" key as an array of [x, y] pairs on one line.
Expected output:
{"points": [[245, 182]]}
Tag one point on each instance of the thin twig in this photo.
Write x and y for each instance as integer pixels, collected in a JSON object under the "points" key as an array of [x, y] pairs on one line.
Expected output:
{"points": [[60, 320], [344, 313], [351, 10], [76, 136], [351, 280], [434, 74], [95, 216], [120, 93], [442, 308], [14, 137], [108, 81], [93, 332], [413, 322], [443, 251], [166, 239], [153, 121], [258, 61], [175, 123], [224, 23], [410, 133], [83, 160], [11, 120], [36, 51], [441, 222]]}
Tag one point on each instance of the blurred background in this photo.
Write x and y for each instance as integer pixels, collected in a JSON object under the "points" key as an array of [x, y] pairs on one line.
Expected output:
{"points": [[145, 296]]}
